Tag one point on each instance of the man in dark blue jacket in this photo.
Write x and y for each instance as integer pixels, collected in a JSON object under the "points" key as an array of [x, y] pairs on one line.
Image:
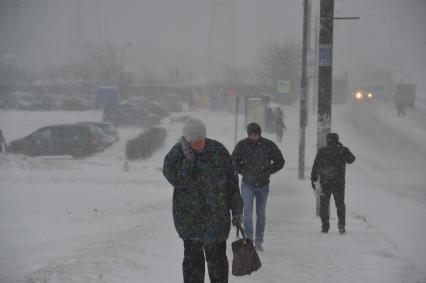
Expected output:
{"points": [[330, 166], [256, 159]]}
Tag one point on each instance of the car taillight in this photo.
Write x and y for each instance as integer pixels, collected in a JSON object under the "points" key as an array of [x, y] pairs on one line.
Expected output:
{"points": [[94, 142]]}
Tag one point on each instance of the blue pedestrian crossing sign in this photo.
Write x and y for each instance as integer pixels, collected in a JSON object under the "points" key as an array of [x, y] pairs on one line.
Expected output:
{"points": [[283, 86], [325, 55]]}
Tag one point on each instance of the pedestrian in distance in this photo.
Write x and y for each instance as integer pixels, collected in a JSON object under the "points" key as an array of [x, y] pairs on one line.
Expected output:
{"points": [[279, 124], [205, 194], [400, 105], [269, 120], [256, 159], [329, 169], [2, 142]]}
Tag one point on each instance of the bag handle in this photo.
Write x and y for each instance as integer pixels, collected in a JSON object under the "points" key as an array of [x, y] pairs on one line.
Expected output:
{"points": [[239, 228]]}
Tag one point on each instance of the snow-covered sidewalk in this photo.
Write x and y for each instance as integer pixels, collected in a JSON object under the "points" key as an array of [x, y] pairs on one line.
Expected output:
{"points": [[95, 220], [296, 251]]}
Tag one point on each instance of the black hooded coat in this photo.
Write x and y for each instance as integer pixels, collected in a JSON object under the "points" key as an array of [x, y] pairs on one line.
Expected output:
{"points": [[330, 162]]}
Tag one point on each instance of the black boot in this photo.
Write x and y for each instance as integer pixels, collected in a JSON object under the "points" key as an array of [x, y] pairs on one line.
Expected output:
{"points": [[325, 228], [193, 262], [342, 230], [217, 262]]}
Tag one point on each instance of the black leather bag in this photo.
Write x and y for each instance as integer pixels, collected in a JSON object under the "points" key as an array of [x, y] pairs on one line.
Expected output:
{"points": [[245, 258]]}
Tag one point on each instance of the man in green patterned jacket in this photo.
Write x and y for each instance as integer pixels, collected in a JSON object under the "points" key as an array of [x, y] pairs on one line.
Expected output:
{"points": [[206, 191]]}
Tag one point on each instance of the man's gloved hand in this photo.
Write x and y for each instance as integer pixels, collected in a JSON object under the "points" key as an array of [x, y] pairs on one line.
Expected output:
{"points": [[341, 148], [313, 185], [187, 151], [237, 219]]}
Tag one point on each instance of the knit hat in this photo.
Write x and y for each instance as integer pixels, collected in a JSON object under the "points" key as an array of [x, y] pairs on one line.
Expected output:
{"points": [[254, 128], [194, 129]]}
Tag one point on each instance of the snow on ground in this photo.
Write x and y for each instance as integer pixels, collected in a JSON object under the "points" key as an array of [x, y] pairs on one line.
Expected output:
{"points": [[101, 220], [389, 180]]}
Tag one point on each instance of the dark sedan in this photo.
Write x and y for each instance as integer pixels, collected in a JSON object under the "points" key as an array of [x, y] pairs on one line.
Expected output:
{"points": [[130, 115], [77, 140]]}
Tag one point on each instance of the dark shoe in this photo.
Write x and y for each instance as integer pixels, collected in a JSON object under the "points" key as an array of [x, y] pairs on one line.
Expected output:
{"points": [[342, 230], [259, 247], [325, 229]]}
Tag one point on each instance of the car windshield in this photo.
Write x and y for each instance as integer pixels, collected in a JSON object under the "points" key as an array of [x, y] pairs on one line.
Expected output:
{"points": [[106, 127]]}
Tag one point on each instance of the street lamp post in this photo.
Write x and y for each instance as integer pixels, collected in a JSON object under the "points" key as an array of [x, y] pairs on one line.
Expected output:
{"points": [[303, 87], [120, 74]]}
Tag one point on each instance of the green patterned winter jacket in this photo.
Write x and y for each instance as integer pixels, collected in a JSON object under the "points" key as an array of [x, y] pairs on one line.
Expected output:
{"points": [[205, 192]]}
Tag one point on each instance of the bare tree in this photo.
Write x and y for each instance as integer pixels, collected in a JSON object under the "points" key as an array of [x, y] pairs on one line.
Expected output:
{"points": [[278, 61]]}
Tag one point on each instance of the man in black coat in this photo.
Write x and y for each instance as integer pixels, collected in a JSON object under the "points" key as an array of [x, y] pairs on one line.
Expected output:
{"points": [[256, 159], [330, 166]]}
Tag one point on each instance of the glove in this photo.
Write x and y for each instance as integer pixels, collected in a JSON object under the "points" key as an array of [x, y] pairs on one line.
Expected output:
{"points": [[237, 219], [187, 151], [342, 149], [313, 186]]}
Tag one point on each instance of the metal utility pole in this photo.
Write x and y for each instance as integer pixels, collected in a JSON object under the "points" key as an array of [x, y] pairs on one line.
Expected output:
{"points": [[121, 67], [303, 96], [325, 69], [221, 51], [308, 65], [315, 75], [237, 110]]}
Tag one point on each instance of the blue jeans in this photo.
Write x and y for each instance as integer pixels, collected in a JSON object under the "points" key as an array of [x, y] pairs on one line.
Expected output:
{"points": [[249, 193]]}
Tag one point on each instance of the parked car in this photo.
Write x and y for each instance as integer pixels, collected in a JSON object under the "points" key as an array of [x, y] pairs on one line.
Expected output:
{"points": [[106, 128], [42, 102], [172, 102], [130, 115], [8, 101], [153, 108], [76, 140], [105, 139], [23, 100], [73, 104]]}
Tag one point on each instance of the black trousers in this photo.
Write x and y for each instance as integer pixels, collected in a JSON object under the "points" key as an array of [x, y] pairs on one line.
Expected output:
{"points": [[338, 192], [194, 262]]}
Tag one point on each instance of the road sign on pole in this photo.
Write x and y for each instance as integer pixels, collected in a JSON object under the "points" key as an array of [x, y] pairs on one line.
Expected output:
{"points": [[325, 55], [283, 86]]}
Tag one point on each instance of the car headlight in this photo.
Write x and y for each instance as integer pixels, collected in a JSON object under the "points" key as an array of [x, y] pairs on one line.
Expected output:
{"points": [[370, 95], [358, 95]]}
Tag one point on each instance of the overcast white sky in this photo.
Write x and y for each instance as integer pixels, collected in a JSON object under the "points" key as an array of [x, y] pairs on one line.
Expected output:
{"points": [[163, 33]]}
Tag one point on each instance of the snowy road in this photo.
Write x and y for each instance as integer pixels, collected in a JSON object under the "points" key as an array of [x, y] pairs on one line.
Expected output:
{"points": [[389, 183], [95, 220]]}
